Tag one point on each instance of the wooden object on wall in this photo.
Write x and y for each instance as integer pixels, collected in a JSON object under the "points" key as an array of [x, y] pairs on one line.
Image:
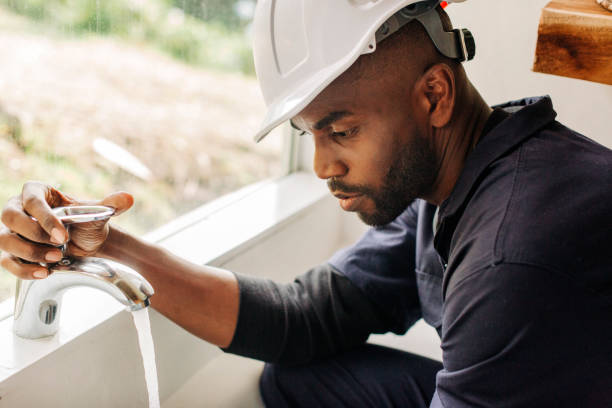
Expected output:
{"points": [[575, 40]]}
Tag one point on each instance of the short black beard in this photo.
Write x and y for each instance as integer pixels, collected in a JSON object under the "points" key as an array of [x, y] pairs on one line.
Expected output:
{"points": [[411, 176]]}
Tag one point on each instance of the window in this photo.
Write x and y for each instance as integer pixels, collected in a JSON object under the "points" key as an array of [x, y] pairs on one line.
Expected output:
{"points": [[154, 97]]}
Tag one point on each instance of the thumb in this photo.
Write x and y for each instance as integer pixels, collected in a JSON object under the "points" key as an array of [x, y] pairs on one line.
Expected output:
{"points": [[120, 201]]}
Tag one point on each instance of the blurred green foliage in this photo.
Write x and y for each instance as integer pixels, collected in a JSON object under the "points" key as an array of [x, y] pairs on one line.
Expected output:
{"points": [[210, 34], [225, 11], [91, 183], [204, 33]]}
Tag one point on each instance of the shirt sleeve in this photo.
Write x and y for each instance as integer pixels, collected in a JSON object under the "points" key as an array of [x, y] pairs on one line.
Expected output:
{"points": [[367, 288], [317, 315], [519, 335]]}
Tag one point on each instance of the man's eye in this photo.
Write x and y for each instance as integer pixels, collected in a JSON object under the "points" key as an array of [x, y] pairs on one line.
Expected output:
{"points": [[340, 135]]}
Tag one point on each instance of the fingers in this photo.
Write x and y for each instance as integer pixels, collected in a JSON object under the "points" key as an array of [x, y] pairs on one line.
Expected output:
{"points": [[16, 219], [120, 201], [12, 243], [36, 200], [22, 270], [31, 227]]}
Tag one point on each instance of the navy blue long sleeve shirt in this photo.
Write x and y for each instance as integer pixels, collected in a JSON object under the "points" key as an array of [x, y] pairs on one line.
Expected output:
{"points": [[516, 275]]}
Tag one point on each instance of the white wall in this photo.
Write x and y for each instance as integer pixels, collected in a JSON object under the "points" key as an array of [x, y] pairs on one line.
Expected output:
{"points": [[506, 33]]}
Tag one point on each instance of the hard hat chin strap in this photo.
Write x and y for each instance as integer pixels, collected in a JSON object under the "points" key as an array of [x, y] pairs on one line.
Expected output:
{"points": [[457, 44]]}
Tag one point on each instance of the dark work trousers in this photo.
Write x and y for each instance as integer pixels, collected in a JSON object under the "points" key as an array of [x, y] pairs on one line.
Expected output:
{"points": [[368, 376]]}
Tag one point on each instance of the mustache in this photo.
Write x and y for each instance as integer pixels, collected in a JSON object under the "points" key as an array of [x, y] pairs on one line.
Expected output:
{"points": [[335, 185]]}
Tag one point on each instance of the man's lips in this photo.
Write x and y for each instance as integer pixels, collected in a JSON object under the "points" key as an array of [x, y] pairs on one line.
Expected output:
{"points": [[348, 202]]}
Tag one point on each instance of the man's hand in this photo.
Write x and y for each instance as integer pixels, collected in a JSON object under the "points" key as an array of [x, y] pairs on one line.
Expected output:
{"points": [[31, 231], [199, 298]]}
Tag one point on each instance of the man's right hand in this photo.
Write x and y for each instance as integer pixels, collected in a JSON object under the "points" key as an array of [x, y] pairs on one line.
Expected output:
{"points": [[29, 216]]}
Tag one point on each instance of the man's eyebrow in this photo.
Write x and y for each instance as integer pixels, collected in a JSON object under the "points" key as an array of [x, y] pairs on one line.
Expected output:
{"points": [[331, 118], [326, 121]]}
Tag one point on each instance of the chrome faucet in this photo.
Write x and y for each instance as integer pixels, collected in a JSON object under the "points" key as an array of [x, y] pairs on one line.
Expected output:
{"points": [[38, 302]]}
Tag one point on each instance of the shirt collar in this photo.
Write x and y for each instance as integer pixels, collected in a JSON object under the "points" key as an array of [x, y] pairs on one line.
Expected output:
{"points": [[528, 116]]}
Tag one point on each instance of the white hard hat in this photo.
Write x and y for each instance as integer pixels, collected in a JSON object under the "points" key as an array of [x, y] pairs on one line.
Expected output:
{"points": [[301, 46]]}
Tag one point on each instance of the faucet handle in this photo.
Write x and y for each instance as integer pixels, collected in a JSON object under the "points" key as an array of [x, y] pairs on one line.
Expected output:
{"points": [[83, 213], [76, 214], [73, 215]]}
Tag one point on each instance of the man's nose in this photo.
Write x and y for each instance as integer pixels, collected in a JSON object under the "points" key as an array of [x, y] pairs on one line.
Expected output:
{"points": [[327, 163]]}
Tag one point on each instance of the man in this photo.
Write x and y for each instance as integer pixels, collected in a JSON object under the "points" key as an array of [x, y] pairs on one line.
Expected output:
{"points": [[492, 225]]}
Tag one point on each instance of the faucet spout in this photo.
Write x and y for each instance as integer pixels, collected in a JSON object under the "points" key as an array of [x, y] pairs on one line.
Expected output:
{"points": [[37, 302]]}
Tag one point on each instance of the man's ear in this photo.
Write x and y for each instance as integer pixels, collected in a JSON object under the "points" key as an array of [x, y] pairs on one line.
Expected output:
{"points": [[435, 92]]}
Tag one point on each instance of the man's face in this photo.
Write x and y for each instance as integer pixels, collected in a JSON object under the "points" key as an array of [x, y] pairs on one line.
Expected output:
{"points": [[370, 147]]}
